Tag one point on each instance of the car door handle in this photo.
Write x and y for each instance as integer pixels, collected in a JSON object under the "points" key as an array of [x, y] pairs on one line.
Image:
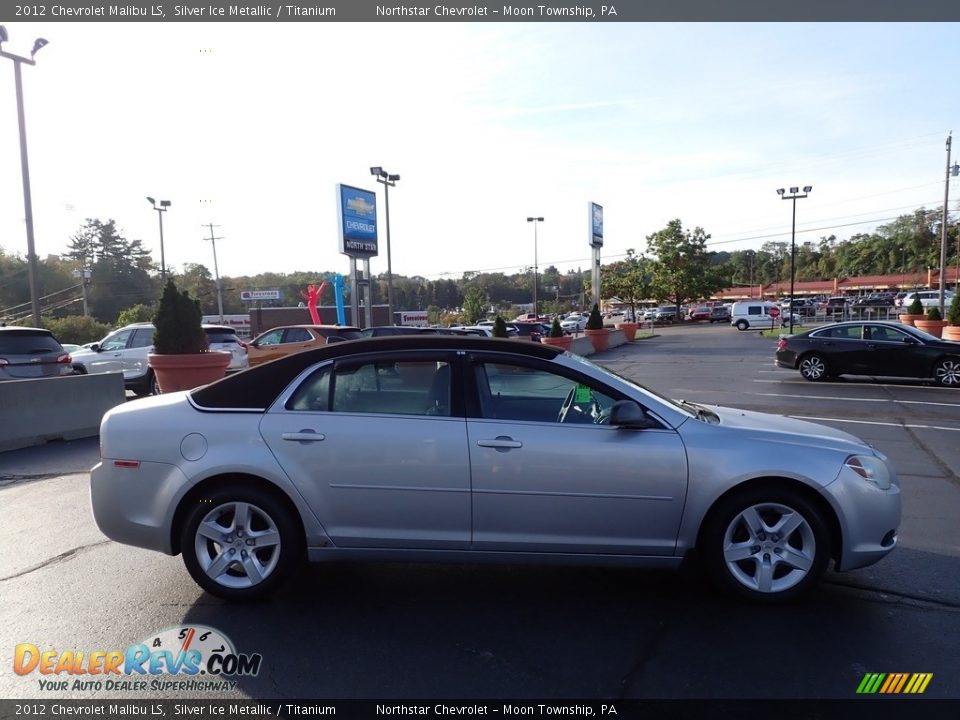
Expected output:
{"points": [[502, 441], [303, 436], [871, 346]]}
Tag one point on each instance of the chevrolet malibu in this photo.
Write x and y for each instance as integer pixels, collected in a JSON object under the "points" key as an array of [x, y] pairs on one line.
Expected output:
{"points": [[473, 449]]}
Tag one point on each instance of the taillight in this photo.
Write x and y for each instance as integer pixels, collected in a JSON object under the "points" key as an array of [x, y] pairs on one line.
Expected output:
{"points": [[64, 359], [243, 344], [133, 464], [781, 344], [4, 361]]}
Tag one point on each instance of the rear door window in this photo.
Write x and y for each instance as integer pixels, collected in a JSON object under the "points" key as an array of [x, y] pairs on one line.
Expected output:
{"points": [[220, 335]]}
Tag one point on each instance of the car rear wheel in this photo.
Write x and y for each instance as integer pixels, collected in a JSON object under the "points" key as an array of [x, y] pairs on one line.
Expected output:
{"points": [[742, 325], [813, 368], [766, 545], [947, 372], [240, 544]]}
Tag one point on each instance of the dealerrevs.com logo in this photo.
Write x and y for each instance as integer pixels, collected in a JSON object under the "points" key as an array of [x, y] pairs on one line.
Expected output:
{"points": [[173, 659]]}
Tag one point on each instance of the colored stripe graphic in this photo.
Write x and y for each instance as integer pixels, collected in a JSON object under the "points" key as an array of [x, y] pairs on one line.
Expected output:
{"points": [[894, 683]]}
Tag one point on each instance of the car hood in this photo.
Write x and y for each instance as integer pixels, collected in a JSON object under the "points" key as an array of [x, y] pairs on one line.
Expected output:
{"points": [[779, 428]]}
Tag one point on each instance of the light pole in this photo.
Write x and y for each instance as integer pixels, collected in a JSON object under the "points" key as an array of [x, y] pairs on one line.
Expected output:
{"points": [[388, 181], [25, 166], [793, 237], [161, 209], [536, 221], [903, 268], [943, 228]]}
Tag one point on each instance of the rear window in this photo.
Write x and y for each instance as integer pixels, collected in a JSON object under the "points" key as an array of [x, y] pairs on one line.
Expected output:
{"points": [[28, 342], [342, 333], [221, 335]]}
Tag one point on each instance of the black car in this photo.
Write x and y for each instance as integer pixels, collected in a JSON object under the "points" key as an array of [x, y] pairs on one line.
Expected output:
{"points": [[385, 330], [879, 349], [532, 330]]}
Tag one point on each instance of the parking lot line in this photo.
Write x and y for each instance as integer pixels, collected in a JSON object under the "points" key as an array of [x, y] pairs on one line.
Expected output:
{"points": [[874, 422], [852, 399]]}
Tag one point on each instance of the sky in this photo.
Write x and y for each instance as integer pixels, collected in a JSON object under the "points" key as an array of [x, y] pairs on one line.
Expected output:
{"points": [[251, 126]]}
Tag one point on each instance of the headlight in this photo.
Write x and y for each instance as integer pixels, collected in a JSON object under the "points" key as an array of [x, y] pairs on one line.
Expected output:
{"points": [[871, 469]]}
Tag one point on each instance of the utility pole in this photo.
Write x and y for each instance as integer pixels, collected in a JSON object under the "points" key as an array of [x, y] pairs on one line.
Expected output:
{"points": [[216, 270], [943, 229]]}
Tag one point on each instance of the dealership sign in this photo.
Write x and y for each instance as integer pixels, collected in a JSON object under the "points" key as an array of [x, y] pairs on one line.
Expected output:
{"points": [[596, 225], [250, 295], [358, 221]]}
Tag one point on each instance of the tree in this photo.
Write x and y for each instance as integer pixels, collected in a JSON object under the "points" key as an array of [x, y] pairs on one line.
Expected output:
{"points": [[474, 305], [499, 328], [629, 280], [683, 271]]}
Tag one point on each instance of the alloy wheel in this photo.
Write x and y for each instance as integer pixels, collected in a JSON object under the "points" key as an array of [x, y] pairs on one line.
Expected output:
{"points": [[769, 548], [947, 373], [813, 368], [237, 545]]}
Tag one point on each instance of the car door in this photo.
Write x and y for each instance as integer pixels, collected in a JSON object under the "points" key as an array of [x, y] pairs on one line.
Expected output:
{"points": [[548, 476], [267, 347], [134, 355], [378, 447], [109, 357], [893, 353]]}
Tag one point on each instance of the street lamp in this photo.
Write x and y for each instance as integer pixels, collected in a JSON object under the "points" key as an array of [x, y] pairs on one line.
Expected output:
{"points": [[25, 166], [793, 237], [536, 221], [161, 209], [388, 181], [903, 268]]}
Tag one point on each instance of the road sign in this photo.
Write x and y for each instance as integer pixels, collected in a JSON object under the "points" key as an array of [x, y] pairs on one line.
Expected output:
{"points": [[250, 295], [774, 312]]}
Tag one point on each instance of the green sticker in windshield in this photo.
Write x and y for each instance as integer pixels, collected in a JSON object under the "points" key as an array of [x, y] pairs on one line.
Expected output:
{"points": [[582, 394]]}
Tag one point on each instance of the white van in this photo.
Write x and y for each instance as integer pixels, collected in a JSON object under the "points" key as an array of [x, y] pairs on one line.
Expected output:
{"points": [[747, 314]]}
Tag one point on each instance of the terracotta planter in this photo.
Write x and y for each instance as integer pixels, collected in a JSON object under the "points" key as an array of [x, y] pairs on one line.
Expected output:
{"points": [[951, 332], [629, 330], [185, 372], [908, 319], [599, 338], [934, 327], [562, 342]]}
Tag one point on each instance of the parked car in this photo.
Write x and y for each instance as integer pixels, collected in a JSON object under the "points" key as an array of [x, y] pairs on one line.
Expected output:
{"points": [[876, 349], [700, 312], [720, 313], [349, 452], [663, 314], [287, 339], [27, 353], [928, 298], [125, 350], [71, 347], [574, 323], [532, 330], [834, 306], [487, 330]]}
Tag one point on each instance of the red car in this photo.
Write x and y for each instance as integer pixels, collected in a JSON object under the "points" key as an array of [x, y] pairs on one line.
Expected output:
{"points": [[701, 312]]}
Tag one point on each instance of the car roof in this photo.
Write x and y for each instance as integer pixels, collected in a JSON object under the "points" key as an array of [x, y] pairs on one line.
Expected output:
{"points": [[22, 328], [258, 387]]}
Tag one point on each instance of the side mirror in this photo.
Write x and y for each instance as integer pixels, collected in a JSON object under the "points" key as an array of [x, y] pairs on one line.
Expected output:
{"points": [[629, 415], [95, 347]]}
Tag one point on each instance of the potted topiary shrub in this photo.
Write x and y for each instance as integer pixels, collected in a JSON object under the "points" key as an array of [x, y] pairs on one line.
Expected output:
{"points": [[499, 328], [914, 312], [556, 337], [629, 327], [933, 324], [180, 359], [595, 330], [952, 330]]}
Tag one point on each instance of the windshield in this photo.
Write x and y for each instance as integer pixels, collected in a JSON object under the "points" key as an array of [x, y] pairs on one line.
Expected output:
{"points": [[678, 406]]}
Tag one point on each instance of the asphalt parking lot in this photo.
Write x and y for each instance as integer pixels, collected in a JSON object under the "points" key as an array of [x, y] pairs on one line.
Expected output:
{"points": [[438, 631]]}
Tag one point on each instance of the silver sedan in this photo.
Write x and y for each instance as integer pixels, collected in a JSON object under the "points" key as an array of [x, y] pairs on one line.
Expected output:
{"points": [[472, 449]]}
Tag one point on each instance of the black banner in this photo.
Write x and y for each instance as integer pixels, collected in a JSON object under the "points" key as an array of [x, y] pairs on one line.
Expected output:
{"points": [[480, 11], [874, 709]]}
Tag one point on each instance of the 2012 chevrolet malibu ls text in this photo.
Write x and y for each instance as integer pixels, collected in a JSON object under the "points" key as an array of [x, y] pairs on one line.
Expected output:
{"points": [[458, 449]]}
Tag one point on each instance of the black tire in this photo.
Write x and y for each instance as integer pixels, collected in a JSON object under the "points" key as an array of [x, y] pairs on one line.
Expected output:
{"points": [[947, 372], [146, 386], [254, 573], [774, 568], [742, 325], [813, 367]]}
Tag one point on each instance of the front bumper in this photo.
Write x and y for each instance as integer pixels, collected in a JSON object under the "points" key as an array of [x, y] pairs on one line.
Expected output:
{"points": [[869, 519]]}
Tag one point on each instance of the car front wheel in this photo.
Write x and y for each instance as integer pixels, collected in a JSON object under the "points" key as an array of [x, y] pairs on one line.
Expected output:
{"points": [[947, 372], [742, 325], [766, 545], [240, 544], [813, 368]]}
